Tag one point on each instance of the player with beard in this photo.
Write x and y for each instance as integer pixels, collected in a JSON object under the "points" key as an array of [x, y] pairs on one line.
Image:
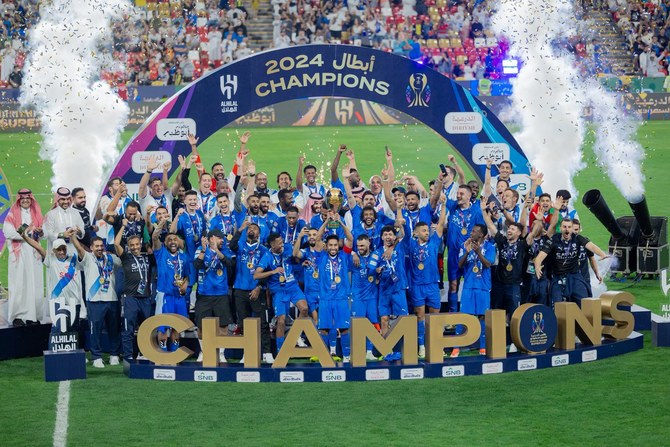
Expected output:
{"points": [[174, 270], [334, 228], [160, 214], [310, 256], [264, 204], [285, 182], [115, 199], [586, 257], [542, 210], [567, 282], [512, 252], [334, 289], [476, 258], [364, 290], [423, 248], [310, 186], [250, 296], [79, 204], [212, 297], [223, 220], [278, 269], [158, 193], [285, 200], [101, 298], [251, 212], [538, 288], [289, 227], [462, 218], [134, 223], [136, 295]]}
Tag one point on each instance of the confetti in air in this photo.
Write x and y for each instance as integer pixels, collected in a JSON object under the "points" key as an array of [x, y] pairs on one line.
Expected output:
{"points": [[81, 116], [550, 95]]}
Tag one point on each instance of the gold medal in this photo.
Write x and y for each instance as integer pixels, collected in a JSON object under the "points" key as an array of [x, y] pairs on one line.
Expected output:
{"points": [[219, 272], [102, 280], [315, 275], [420, 266], [250, 265], [475, 269], [229, 237], [282, 278], [464, 231], [371, 278], [509, 267], [337, 280]]}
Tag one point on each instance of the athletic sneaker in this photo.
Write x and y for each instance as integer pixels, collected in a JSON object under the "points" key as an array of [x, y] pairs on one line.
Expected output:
{"points": [[345, 359], [162, 344], [98, 363], [113, 360], [222, 357], [392, 357], [455, 353], [268, 358], [314, 359], [512, 348], [422, 351], [199, 357], [370, 356], [482, 351], [301, 342], [336, 357]]}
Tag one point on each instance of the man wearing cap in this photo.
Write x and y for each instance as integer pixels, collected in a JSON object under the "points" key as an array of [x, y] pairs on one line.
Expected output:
{"points": [[102, 301], [213, 298], [24, 275], [61, 218], [63, 282]]}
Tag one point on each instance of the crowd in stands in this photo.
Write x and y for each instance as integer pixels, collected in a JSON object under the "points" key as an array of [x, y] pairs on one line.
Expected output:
{"points": [[646, 25]]}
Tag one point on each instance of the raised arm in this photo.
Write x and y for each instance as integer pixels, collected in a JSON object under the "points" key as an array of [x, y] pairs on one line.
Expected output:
{"points": [[493, 230], [32, 242], [298, 177], [439, 230], [111, 208], [152, 164], [164, 178], [487, 180], [298, 241], [81, 252], [118, 248], [459, 170], [334, 176], [437, 193], [523, 219], [156, 243], [555, 215]]}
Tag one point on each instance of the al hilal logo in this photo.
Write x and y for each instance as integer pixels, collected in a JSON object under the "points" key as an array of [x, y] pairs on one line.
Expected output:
{"points": [[228, 84], [418, 91]]}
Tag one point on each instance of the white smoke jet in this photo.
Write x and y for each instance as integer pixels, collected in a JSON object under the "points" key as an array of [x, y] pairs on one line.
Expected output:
{"points": [[546, 99], [615, 145], [81, 116]]}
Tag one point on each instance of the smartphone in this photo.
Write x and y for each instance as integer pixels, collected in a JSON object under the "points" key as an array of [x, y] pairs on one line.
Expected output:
{"points": [[22, 229], [443, 168]]}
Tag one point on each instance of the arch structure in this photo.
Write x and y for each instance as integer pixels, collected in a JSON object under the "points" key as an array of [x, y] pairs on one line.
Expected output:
{"points": [[271, 77]]}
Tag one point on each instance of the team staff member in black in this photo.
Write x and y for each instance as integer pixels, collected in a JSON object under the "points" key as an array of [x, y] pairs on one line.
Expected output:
{"points": [[567, 282], [512, 251], [213, 297], [135, 298]]}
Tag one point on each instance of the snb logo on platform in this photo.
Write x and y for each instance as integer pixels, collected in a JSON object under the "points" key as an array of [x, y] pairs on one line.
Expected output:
{"points": [[418, 91], [333, 376], [560, 360], [205, 376], [453, 371], [164, 374], [228, 84]]}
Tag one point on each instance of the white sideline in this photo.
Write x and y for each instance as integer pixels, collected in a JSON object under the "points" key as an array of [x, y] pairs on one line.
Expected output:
{"points": [[62, 410]]}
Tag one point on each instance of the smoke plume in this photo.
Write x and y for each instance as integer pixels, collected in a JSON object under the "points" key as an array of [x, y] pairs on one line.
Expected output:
{"points": [[81, 116]]}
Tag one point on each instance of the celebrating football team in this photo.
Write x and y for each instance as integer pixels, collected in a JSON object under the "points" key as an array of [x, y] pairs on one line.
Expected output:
{"points": [[226, 244]]}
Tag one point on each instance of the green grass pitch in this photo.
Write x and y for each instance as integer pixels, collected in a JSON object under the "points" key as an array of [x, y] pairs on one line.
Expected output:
{"points": [[619, 401]]}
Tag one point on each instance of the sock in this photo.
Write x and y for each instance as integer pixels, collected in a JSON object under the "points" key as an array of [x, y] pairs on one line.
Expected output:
{"points": [[332, 340], [324, 338], [346, 344], [482, 339], [421, 332], [280, 342], [453, 301]]}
